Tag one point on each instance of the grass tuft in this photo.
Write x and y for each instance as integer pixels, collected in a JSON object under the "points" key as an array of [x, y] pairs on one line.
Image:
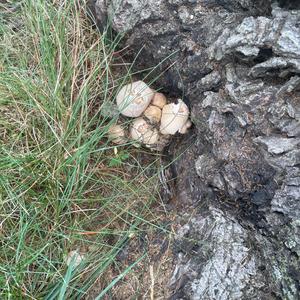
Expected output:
{"points": [[62, 185]]}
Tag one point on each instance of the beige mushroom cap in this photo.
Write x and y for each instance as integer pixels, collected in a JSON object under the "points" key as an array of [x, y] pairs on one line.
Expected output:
{"points": [[174, 116], [185, 127], [117, 134], [159, 100], [74, 257], [134, 98], [143, 132], [153, 114]]}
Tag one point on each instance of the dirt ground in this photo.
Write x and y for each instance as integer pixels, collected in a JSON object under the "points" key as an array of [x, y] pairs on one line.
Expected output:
{"points": [[149, 279]]}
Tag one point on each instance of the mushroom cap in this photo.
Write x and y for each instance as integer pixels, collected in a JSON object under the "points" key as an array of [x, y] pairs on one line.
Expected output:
{"points": [[153, 114], [159, 100], [143, 132], [74, 257], [117, 134], [185, 127], [173, 118], [134, 98]]}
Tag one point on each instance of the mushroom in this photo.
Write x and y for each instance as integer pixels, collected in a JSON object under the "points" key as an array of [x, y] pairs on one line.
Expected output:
{"points": [[185, 127], [117, 134], [153, 114], [134, 98], [74, 257], [174, 116], [143, 132], [159, 100]]}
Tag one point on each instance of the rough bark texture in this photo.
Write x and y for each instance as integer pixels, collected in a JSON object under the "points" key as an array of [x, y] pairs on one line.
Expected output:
{"points": [[237, 65]]}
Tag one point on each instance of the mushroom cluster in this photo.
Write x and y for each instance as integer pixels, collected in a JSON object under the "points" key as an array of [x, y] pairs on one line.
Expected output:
{"points": [[155, 119]]}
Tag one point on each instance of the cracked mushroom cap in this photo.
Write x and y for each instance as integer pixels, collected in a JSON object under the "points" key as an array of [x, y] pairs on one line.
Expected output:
{"points": [[134, 98], [143, 132], [174, 116]]}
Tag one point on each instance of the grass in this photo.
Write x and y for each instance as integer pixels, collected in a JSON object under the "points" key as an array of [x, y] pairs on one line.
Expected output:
{"points": [[63, 185]]}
